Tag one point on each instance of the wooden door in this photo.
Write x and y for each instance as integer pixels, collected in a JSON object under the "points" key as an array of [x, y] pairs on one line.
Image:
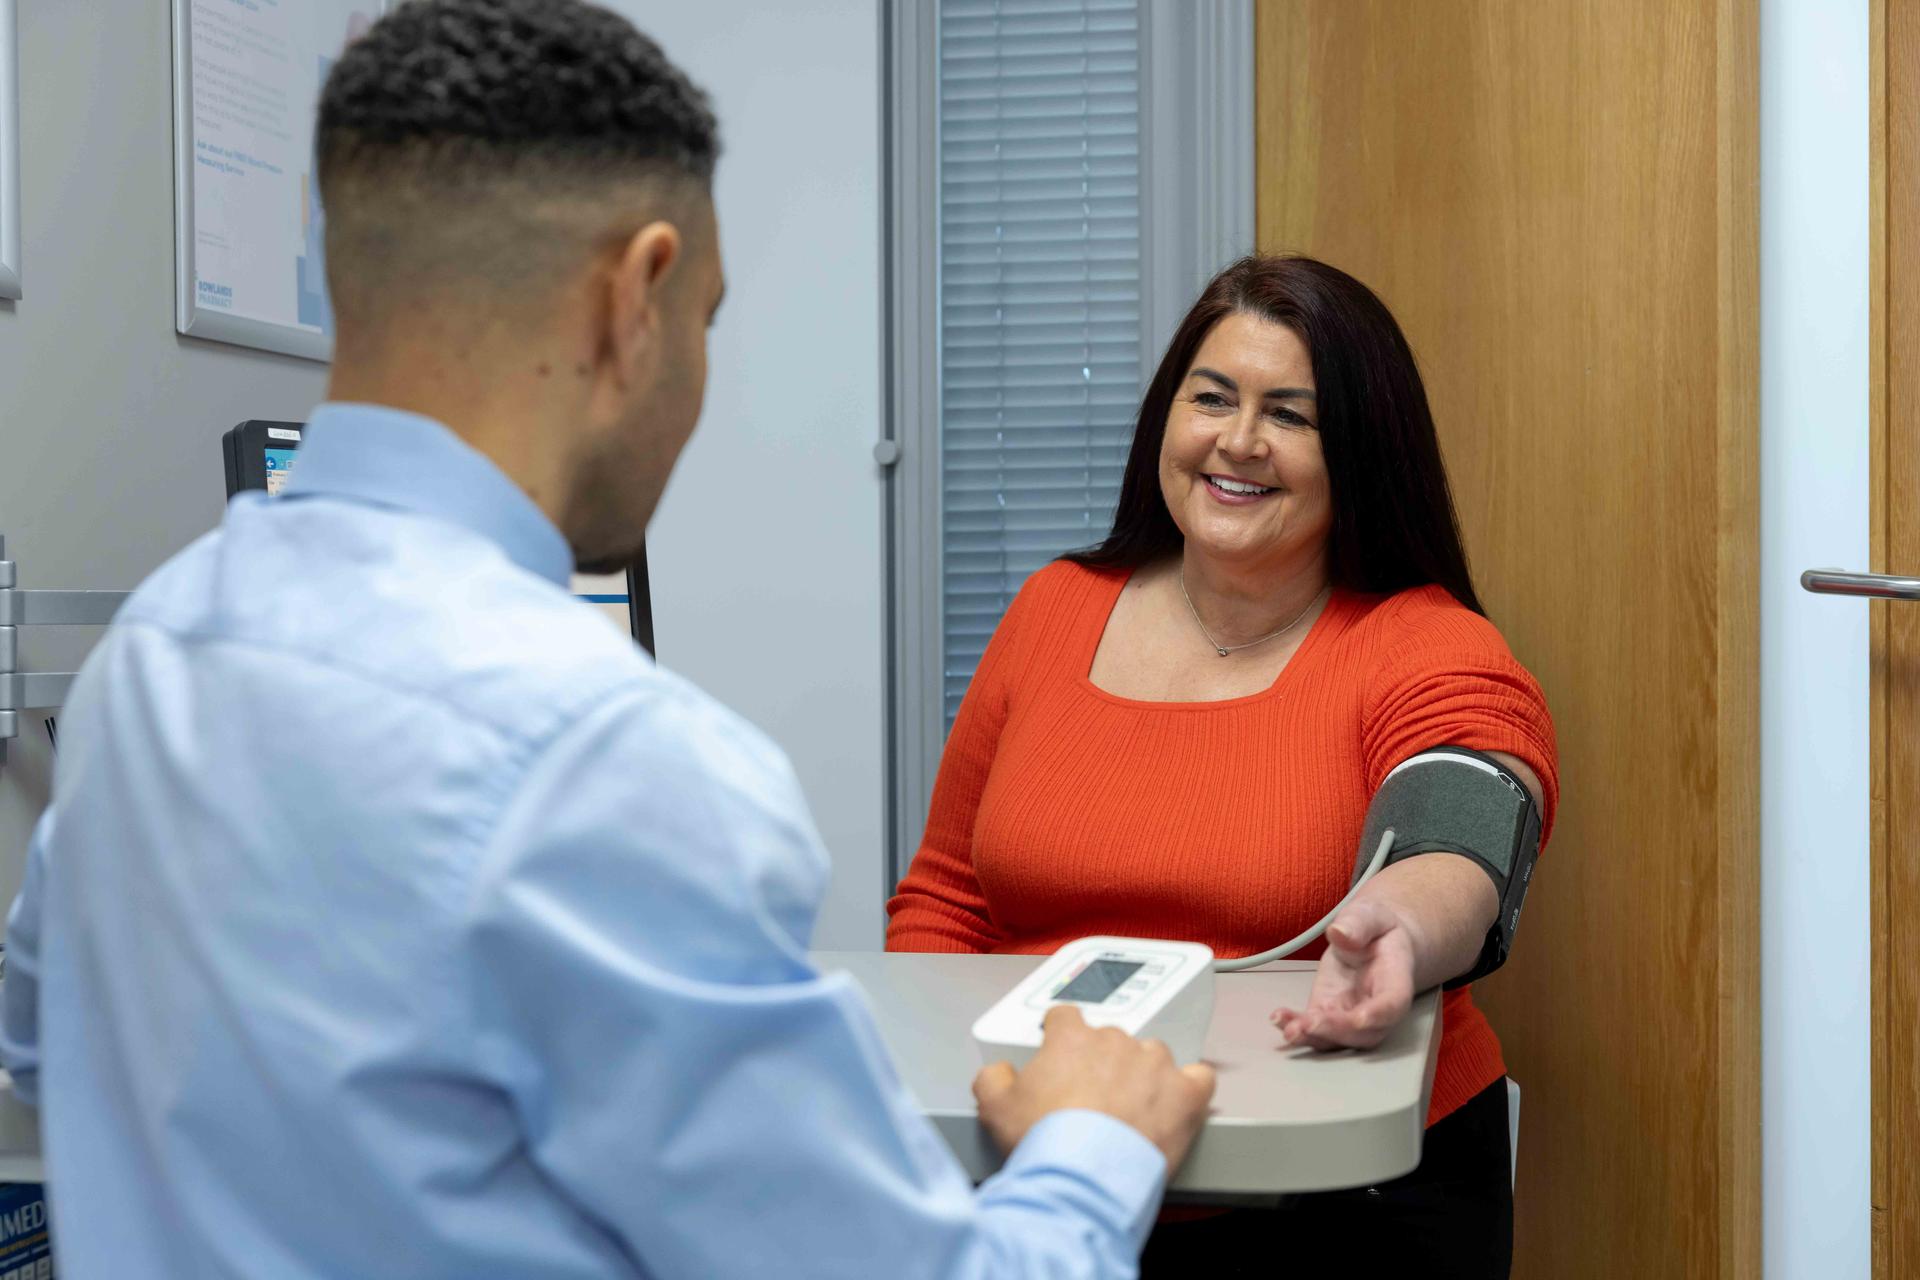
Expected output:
{"points": [[1895, 274], [1559, 200]]}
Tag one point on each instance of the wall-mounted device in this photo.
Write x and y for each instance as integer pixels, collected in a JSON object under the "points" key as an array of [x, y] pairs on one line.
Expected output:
{"points": [[259, 455], [1146, 987]]}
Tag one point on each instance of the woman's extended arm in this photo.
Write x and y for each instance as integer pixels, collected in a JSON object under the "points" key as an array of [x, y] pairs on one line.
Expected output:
{"points": [[1413, 926]]}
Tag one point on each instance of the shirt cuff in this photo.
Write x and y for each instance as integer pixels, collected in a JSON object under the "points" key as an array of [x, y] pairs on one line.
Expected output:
{"points": [[1109, 1153]]}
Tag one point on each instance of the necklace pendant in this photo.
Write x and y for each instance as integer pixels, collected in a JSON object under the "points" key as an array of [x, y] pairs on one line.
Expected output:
{"points": [[1222, 652]]}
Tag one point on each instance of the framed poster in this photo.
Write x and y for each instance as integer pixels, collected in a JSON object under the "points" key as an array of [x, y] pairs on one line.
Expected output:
{"points": [[247, 220], [9, 154]]}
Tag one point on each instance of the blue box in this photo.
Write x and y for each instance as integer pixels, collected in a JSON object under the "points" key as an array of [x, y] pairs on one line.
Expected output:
{"points": [[26, 1246]]}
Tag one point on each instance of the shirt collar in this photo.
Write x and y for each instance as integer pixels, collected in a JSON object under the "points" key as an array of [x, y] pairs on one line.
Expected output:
{"points": [[391, 458]]}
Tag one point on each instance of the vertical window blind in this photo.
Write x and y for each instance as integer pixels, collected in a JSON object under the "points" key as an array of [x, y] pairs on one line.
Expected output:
{"points": [[1040, 300]]}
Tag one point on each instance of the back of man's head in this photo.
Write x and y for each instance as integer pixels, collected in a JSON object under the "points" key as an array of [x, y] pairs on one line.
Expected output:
{"points": [[471, 150]]}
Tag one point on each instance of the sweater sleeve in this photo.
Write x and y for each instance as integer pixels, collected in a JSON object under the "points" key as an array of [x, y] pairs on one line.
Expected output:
{"points": [[1449, 680], [939, 905]]}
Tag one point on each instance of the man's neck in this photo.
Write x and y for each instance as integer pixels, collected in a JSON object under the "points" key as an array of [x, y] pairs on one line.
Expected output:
{"points": [[495, 418]]}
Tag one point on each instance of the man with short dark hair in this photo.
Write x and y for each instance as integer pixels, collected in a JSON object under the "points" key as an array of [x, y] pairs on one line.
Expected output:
{"points": [[393, 914]]}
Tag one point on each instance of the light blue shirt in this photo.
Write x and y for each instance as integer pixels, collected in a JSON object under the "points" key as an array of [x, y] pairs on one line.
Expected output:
{"points": [[396, 916]]}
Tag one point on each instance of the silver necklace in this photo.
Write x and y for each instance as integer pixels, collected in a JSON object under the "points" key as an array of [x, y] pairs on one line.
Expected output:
{"points": [[1224, 649]]}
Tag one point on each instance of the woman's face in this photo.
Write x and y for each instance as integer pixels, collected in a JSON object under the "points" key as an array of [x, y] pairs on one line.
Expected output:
{"points": [[1240, 464]]}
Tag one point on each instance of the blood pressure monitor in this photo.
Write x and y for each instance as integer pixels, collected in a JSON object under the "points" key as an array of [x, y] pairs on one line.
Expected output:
{"points": [[1150, 989]]}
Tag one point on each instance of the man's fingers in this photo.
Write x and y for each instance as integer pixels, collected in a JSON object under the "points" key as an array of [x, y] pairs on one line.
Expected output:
{"points": [[1061, 1017], [1202, 1076], [993, 1081], [1158, 1051]]}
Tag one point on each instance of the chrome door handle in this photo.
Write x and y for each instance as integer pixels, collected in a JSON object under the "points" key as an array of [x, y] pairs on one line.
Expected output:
{"points": [[1874, 586]]}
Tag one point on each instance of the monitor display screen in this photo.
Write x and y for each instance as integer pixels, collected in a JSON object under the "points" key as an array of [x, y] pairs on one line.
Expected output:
{"points": [[279, 469], [1099, 980]]}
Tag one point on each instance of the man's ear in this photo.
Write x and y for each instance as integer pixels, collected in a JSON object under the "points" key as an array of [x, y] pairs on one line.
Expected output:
{"points": [[634, 316]]}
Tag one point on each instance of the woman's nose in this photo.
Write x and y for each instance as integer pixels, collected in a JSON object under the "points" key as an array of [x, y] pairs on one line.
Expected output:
{"points": [[1242, 440]]}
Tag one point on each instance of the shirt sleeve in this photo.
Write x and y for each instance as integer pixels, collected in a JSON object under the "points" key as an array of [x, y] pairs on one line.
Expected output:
{"points": [[20, 1018], [642, 992], [1453, 682], [939, 905]]}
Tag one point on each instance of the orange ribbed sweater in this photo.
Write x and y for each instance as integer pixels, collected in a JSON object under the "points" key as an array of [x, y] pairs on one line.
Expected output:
{"points": [[1062, 810]]}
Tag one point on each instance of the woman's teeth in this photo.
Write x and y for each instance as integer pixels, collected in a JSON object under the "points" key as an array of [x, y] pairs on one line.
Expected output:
{"points": [[1237, 486]]}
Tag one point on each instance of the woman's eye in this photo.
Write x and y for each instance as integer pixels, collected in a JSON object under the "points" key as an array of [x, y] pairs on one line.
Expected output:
{"points": [[1210, 400], [1290, 418]]}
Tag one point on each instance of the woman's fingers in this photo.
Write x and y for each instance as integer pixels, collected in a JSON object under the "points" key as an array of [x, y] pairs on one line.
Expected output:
{"points": [[1300, 1028], [1350, 1014], [1316, 1031], [1291, 1024], [1303, 1033], [1339, 1029]]}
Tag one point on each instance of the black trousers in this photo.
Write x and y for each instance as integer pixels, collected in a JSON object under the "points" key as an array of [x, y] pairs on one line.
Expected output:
{"points": [[1451, 1217]]}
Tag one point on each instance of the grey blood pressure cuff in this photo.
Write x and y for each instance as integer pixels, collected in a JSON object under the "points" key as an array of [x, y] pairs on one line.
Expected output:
{"points": [[1454, 800]]}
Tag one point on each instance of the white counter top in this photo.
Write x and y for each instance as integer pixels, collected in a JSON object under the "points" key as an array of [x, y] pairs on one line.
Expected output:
{"points": [[1284, 1119]]}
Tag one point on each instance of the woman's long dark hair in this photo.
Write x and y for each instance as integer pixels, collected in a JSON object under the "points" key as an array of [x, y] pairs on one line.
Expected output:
{"points": [[1393, 520]]}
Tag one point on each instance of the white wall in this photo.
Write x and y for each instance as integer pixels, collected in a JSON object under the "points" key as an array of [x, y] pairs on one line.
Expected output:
{"points": [[110, 424], [768, 553], [1814, 66]]}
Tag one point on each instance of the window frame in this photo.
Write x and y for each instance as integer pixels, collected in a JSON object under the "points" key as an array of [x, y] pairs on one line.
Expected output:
{"points": [[1197, 213]]}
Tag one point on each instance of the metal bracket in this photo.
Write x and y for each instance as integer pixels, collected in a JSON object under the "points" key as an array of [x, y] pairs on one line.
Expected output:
{"points": [[23, 691], [58, 608], [20, 690]]}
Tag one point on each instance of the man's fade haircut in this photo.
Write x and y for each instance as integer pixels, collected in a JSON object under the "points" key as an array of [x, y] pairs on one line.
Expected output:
{"points": [[461, 141]]}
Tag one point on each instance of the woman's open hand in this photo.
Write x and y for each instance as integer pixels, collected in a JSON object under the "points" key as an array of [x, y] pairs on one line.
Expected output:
{"points": [[1364, 984]]}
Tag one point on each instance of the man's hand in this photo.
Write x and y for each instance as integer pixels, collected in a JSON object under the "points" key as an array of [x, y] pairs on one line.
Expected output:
{"points": [[1364, 985], [1099, 1069]]}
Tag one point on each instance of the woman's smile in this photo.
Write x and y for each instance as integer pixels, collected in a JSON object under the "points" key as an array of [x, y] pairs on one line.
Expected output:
{"points": [[1234, 492]]}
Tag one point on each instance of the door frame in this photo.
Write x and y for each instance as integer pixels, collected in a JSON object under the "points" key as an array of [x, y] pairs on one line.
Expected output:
{"points": [[1894, 414]]}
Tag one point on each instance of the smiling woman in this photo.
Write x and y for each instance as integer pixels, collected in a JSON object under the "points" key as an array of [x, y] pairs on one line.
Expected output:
{"points": [[1178, 733]]}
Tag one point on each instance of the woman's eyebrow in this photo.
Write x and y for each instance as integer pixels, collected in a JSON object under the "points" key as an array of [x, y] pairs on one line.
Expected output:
{"points": [[1277, 393], [1220, 378]]}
